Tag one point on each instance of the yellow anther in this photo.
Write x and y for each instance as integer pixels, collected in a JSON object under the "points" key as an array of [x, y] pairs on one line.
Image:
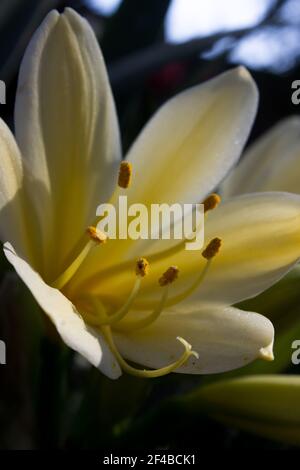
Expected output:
{"points": [[212, 248], [211, 202], [169, 276], [142, 267], [96, 235], [125, 173]]}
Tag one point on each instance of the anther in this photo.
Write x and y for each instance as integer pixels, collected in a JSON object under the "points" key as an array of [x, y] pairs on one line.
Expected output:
{"points": [[96, 235], [211, 202], [212, 248], [142, 267], [125, 173], [169, 276]]}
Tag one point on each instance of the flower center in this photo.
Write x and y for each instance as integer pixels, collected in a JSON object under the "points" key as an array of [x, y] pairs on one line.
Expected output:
{"points": [[96, 315]]}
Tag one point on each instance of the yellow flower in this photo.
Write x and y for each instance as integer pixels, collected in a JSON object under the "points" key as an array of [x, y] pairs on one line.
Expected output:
{"points": [[112, 300]]}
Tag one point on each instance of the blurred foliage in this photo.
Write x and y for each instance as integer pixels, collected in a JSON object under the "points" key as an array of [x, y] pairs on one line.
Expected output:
{"points": [[48, 397], [18, 19], [267, 405], [21, 328]]}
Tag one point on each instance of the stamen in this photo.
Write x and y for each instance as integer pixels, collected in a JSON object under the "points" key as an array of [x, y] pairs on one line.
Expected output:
{"points": [[169, 252], [102, 318], [64, 278], [125, 174], [212, 248], [96, 235], [169, 276], [199, 279], [99, 309], [211, 202], [150, 373], [210, 251], [119, 314], [142, 267], [144, 322]]}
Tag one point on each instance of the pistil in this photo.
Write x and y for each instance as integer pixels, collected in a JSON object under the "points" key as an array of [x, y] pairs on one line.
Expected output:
{"points": [[150, 373]]}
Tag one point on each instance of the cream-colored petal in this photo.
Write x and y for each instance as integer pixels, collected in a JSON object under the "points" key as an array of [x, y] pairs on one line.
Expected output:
{"points": [[72, 329], [67, 129], [12, 220], [224, 338], [189, 145], [272, 163], [260, 243]]}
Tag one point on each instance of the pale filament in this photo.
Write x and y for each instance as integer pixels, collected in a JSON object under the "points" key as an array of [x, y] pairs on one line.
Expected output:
{"points": [[183, 295], [198, 281], [132, 325], [64, 278], [119, 314]]}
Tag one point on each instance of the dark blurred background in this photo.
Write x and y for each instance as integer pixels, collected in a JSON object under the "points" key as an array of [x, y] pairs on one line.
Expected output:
{"points": [[156, 48], [153, 50]]}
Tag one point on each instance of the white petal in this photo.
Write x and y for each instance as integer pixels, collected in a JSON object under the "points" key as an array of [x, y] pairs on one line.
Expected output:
{"points": [[67, 129], [260, 243], [190, 144], [272, 163], [224, 338], [12, 222], [67, 321]]}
